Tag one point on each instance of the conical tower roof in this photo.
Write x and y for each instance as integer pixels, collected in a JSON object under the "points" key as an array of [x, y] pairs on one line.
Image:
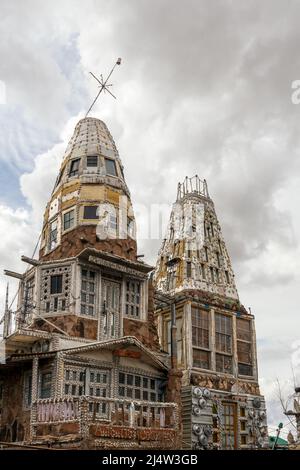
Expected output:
{"points": [[193, 255], [90, 204]]}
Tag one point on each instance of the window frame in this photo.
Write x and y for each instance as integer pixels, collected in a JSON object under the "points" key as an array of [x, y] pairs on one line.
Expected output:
{"points": [[89, 160], [111, 161], [52, 241], [88, 292], [48, 386], [139, 377], [242, 341], [27, 389], [74, 171], [131, 299], [86, 208], [203, 328], [70, 219], [60, 276]]}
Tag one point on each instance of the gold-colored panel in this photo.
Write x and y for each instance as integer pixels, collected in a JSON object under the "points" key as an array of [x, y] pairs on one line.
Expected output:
{"points": [[112, 196], [70, 187], [92, 191], [69, 203]]}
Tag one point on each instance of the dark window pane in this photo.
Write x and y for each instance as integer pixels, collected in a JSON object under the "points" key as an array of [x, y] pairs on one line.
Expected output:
{"points": [[152, 384], [74, 167], [201, 359], [137, 381], [245, 369], [224, 363], [121, 378], [92, 160], [56, 284], [188, 269], [68, 219], [110, 167], [129, 379], [145, 382], [90, 212], [46, 380]]}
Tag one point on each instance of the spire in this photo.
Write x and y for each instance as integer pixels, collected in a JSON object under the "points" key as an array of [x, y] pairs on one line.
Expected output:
{"points": [[7, 315], [193, 255], [90, 205]]}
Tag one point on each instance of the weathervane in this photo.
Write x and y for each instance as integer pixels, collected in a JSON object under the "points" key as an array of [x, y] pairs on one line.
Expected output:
{"points": [[104, 86]]}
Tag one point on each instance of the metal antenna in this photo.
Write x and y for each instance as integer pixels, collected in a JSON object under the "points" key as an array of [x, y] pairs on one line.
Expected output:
{"points": [[104, 86]]}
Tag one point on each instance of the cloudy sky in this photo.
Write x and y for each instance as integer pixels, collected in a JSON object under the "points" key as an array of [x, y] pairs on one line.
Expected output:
{"points": [[204, 88]]}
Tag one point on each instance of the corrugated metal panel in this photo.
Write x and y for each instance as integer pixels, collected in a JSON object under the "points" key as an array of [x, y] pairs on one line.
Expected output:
{"points": [[186, 400]]}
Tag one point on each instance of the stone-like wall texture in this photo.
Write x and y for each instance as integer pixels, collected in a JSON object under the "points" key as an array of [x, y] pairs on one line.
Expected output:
{"points": [[73, 242]]}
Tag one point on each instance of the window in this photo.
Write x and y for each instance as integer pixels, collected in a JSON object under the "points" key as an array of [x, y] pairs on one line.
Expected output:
{"points": [[212, 274], [110, 167], [74, 382], [168, 336], [139, 387], [113, 222], [217, 275], [171, 277], [200, 338], [223, 325], [90, 212], [223, 363], [92, 161], [212, 229], [201, 359], [203, 271], [88, 292], [45, 385], [200, 328], [59, 178], [218, 259], [56, 284], [227, 277], [74, 167], [98, 387], [188, 269], [130, 228], [133, 298], [208, 233], [69, 219], [206, 253], [244, 346], [27, 389], [53, 235], [229, 434]]}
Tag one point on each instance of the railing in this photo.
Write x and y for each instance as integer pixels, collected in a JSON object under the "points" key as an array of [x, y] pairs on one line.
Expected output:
{"points": [[56, 410], [112, 411]]}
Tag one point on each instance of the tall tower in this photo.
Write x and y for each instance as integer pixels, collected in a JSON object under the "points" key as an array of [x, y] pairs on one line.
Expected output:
{"points": [[216, 343], [90, 204], [193, 254], [88, 281]]}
